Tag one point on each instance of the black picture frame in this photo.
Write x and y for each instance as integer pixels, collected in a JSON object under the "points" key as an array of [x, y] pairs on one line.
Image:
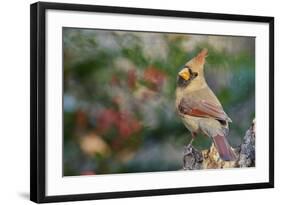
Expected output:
{"points": [[38, 100]]}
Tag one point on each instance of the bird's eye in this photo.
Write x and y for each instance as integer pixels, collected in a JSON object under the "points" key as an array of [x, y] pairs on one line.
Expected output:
{"points": [[193, 74]]}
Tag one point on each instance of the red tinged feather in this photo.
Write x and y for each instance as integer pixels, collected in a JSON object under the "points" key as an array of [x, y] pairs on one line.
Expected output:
{"points": [[212, 107], [196, 112], [224, 149], [202, 108]]}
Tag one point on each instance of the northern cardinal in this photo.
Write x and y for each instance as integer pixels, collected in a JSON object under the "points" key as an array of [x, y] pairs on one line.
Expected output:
{"points": [[199, 108]]}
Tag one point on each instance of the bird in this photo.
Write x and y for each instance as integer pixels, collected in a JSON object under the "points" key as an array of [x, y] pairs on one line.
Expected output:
{"points": [[200, 109]]}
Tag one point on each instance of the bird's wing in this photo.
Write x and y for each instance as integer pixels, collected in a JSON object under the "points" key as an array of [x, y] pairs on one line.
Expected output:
{"points": [[201, 108]]}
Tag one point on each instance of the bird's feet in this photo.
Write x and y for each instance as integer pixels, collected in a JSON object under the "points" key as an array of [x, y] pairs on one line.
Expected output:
{"points": [[190, 142], [193, 135]]}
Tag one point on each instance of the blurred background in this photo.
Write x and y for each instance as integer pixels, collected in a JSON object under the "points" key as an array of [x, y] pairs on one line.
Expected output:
{"points": [[119, 93]]}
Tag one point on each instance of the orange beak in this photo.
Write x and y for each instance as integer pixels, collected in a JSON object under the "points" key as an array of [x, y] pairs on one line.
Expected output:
{"points": [[185, 74]]}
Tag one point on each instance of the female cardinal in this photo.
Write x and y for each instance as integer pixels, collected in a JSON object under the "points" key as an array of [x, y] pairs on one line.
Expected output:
{"points": [[199, 108]]}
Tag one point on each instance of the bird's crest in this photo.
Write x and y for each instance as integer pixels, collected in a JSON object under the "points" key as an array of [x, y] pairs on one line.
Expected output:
{"points": [[200, 58]]}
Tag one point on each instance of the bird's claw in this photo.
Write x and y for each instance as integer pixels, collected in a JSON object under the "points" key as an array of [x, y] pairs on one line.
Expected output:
{"points": [[190, 142]]}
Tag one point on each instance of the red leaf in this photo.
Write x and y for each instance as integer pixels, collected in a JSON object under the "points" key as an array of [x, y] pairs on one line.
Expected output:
{"points": [[80, 119], [132, 78], [155, 76], [106, 119], [87, 172]]}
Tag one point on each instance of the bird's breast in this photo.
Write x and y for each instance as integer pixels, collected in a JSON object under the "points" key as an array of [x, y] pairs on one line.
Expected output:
{"points": [[191, 123]]}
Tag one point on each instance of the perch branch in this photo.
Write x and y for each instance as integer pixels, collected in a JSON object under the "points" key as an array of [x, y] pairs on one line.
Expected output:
{"points": [[194, 159]]}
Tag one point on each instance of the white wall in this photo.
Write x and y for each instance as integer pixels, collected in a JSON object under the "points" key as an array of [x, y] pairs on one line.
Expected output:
{"points": [[14, 101]]}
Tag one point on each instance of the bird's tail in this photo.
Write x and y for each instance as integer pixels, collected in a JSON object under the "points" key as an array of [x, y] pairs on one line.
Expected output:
{"points": [[224, 149]]}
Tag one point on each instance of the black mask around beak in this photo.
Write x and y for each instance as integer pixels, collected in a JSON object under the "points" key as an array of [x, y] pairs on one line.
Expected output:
{"points": [[185, 76]]}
